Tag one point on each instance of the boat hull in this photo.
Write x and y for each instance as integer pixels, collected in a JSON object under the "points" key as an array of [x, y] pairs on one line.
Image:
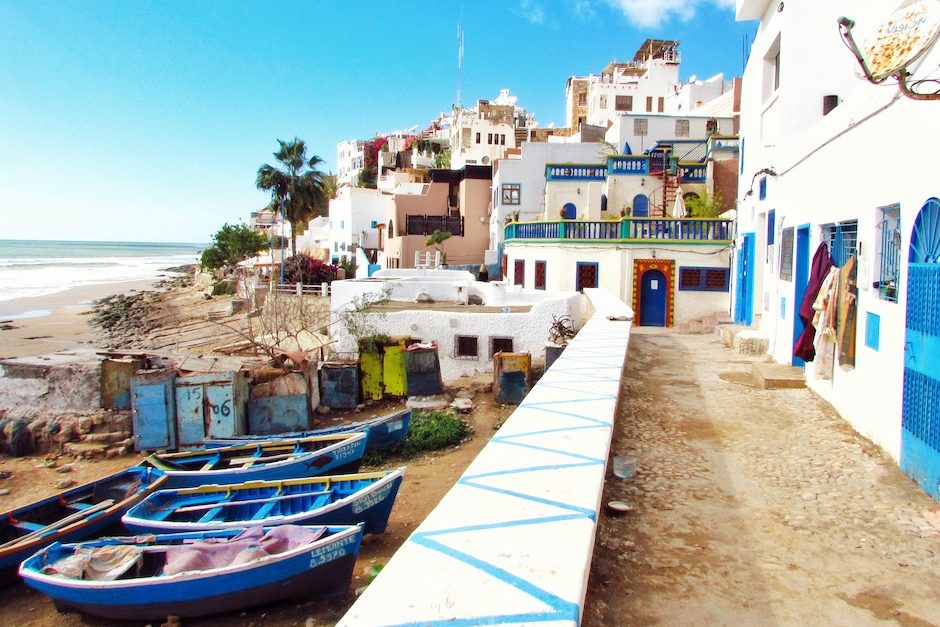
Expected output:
{"points": [[95, 524], [322, 569], [294, 502], [339, 458], [383, 433]]}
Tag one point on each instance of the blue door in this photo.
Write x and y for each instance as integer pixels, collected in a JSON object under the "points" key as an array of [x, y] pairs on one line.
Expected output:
{"points": [[744, 284], [800, 279], [569, 211], [920, 412], [641, 206], [154, 411], [653, 299]]}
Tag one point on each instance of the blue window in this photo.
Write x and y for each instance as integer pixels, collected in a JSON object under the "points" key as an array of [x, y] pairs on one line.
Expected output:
{"points": [[771, 226], [872, 330], [704, 279], [373, 225], [585, 275], [762, 188], [842, 239]]}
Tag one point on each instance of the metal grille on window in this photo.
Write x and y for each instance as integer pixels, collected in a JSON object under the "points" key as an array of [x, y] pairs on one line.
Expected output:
{"points": [[842, 239], [890, 253], [786, 254], [466, 346]]}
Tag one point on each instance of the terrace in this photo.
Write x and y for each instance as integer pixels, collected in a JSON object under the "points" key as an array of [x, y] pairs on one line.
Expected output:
{"points": [[623, 231]]}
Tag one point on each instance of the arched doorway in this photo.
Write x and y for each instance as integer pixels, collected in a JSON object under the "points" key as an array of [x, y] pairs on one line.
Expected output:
{"points": [[569, 211], [641, 206], [920, 416], [653, 297]]}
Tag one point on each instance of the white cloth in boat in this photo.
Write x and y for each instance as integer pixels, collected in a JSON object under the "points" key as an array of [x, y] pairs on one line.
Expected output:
{"points": [[103, 563], [249, 545]]}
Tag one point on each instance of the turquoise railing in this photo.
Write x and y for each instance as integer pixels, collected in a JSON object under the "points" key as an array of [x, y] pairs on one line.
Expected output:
{"points": [[623, 230]]}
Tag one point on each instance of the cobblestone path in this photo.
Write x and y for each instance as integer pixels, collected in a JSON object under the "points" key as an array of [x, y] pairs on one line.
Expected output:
{"points": [[753, 507]]}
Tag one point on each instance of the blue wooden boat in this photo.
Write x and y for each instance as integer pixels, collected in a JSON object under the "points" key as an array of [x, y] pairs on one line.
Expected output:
{"points": [[384, 432], [82, 512], [336, 499], [262, 461], [194, 574]]}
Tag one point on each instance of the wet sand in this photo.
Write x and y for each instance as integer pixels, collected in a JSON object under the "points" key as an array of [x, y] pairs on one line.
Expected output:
{"points": [[56, 322]]}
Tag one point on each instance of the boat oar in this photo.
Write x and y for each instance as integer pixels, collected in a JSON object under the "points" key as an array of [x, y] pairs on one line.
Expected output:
{"points": [[197, 508], [62, 522]]}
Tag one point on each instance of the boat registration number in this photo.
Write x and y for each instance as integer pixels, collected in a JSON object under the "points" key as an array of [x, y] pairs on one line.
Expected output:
{"points": [[330, 552], [369, 500]]}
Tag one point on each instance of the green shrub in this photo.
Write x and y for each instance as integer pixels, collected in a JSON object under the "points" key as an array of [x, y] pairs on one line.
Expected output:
{"points": [[225, 287], [432, 430]]}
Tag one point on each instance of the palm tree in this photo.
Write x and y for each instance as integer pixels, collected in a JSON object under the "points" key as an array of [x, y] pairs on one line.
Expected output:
{"points": [[297, 184]]}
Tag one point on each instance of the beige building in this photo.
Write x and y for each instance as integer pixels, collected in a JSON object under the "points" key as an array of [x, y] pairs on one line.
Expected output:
{"points": [[454, 200]]}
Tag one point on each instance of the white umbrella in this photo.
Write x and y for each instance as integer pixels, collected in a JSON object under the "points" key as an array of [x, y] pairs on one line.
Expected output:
{"points": [[678, 209]]}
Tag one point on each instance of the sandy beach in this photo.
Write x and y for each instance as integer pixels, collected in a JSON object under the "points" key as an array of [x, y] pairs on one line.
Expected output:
{"points": [[60, 322]]}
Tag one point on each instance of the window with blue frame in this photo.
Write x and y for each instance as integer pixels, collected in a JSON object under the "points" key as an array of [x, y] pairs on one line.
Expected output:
{"points": [[762, 188], [842, 239], [704, 279], [585, 275], [771, 226], [890, 253]]}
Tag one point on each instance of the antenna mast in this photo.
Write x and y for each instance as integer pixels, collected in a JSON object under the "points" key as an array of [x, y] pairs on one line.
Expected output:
{"points": [[459, 56]]}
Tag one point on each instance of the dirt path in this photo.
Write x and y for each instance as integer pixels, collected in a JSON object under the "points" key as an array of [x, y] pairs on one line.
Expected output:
{"points": [[756, 507]]}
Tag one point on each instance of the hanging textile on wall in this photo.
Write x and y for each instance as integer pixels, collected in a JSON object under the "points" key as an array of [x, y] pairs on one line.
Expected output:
{"points": [[825, 322], [804, 347], [848, 301]]}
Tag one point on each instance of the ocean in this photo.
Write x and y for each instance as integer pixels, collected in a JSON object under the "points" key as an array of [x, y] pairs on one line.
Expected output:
{"points": [[42, 267]]}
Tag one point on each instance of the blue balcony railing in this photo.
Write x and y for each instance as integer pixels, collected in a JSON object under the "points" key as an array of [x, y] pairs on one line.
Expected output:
{"points": [[575, 172], [625, 230], [692, 173], [629, 164]]}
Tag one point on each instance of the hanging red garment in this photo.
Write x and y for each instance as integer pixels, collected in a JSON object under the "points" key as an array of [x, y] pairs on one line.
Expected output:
{"points": [[822, 262]]}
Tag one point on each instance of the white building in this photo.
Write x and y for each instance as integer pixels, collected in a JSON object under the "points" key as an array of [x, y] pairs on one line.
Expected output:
{"points": [[813, 173], [350, 159], [356, 220], [485, 133], [638, 86], [519, 183], [510, 319]]}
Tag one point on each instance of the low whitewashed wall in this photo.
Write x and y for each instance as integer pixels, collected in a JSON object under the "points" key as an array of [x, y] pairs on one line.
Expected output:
{"points": [[512, 541], [528, 330]]}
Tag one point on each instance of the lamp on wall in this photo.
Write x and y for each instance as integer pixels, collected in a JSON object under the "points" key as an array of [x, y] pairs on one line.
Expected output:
{"points": [[579, 191], [642, 182]]}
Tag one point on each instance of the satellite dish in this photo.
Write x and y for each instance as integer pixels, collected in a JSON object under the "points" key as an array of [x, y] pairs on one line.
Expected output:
{"points": [[906, 35], [692, 78], [485, 160]]}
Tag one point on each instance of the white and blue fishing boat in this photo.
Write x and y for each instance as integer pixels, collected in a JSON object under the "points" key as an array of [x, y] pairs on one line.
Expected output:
{"points": [[336, 499], [82, 512], [194, 574], [384, 432], [268, 460]]}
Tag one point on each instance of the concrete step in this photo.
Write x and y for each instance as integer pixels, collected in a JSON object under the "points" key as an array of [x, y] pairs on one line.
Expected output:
{"points": [[771, 376]]}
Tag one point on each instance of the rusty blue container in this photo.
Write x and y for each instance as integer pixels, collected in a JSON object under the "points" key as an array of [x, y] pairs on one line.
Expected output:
{"points": [[154, 409], [211, 404], [512, 376], [339, 385], [116, 373], [278, 414], [423, 369]]}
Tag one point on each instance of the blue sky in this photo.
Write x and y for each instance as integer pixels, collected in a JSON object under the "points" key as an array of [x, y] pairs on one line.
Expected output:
{"points": [[147, 120]]}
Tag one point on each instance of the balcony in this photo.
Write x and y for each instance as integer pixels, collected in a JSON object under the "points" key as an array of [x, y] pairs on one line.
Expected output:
{"points": [[575, 172], [425, 224], [623, 231]]}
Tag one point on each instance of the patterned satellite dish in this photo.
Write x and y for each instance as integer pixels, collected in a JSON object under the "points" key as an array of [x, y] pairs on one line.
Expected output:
{"points": [[903, 37]]}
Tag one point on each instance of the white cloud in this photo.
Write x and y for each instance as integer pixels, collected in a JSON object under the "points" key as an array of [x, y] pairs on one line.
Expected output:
{"points": [[653, 13], [583, 8], [532, 11]]}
